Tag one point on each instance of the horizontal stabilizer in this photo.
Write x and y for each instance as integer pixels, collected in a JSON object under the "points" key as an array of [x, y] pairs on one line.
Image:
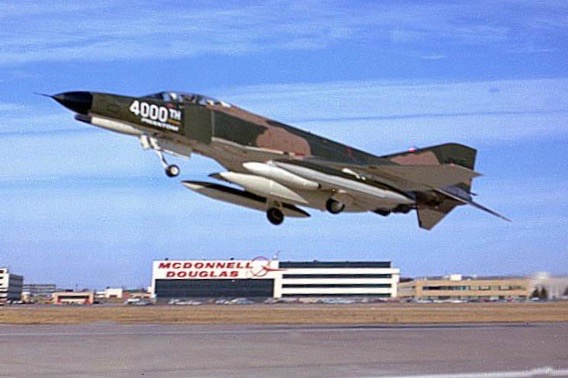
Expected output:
{"points": [[429, 216], [469, 201]]}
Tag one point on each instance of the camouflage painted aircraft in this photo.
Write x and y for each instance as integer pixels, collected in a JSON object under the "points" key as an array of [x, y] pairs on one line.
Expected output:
{"points": [[281, 168]]}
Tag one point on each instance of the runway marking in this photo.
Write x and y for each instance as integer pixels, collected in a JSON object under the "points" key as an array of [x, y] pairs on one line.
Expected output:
{"points": [[276, 330], [537, 372]]}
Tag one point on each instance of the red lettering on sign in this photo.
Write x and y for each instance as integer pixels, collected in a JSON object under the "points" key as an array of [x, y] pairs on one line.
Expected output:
{"points": [[170, 274], [198, 265], [164, 265], [176, 265], [187, 265]]}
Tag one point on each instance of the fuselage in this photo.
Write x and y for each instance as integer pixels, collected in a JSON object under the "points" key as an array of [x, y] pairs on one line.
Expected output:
{"points": [[226, 133], [279, 166]]}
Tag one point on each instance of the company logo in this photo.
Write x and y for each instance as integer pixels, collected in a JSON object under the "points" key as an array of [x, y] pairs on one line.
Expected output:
{"points": [[259, 267], [262, 266]]}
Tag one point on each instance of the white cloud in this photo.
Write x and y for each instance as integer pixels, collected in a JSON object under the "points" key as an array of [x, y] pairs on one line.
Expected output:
{"points": [[378, 115], [70, 31], [110, 32]]}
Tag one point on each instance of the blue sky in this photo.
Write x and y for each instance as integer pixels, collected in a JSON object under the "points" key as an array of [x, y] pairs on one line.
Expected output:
{"points": [[83, 206]]}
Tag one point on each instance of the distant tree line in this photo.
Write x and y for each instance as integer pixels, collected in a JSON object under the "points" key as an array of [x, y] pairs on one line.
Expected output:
{"points": [[541, 293]]}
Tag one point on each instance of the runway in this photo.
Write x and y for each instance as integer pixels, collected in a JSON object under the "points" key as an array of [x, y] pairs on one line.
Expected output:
{"points": [[488, 350]]}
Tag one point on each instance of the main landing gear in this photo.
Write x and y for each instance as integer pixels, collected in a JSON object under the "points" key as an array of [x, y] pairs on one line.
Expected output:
{"points": [[400, 209], [275, 216], [334, 206], [171, 170]]}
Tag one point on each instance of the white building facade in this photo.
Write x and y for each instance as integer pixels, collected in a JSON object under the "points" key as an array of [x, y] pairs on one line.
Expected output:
{"points": [[264, 278], [337, 278], [10, 286]]}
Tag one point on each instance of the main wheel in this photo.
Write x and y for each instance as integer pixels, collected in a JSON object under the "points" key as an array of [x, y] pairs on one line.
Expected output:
{"points": [[404, 209], [275, 216], [384, 213], [334, 207], [172, 171]]}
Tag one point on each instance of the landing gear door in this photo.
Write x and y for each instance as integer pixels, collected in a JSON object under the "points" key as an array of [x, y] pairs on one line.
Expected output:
{"points": [[198, 123]]}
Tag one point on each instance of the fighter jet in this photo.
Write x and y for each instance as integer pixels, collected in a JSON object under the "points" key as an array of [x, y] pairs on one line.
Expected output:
{"points": [[279, 169]]}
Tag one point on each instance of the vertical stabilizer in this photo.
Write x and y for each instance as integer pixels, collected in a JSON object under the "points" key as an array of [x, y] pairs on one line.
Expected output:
{"points": [[449, 153]]}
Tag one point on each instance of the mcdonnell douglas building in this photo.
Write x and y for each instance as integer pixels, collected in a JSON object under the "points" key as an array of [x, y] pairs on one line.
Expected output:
{"points": [[264, 278]]}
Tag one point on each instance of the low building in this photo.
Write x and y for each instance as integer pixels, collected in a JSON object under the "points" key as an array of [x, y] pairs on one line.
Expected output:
{"points": [[456, 287], [137, 294], [38, 292], [11, 286], [73, 297], [113, 293], [264, 278]]}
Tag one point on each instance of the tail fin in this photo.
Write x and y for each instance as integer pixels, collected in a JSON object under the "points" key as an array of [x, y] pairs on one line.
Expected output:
{"points": [[454, 195], [449, 153]]}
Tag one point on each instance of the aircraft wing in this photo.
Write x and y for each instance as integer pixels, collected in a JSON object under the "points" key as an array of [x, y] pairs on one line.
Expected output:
{"points": [[444, 179], [405, 178], [417, 177]]}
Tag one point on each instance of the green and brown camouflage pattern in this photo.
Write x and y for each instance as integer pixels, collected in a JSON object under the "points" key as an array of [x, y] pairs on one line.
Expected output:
{"points": [[233, 136]]}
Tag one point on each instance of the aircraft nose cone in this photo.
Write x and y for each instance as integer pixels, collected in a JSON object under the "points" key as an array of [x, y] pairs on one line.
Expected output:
{"points": [[79, 102]]}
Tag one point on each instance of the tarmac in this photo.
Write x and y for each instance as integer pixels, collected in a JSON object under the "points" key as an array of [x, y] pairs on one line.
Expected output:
{"points": [[113, 350]]}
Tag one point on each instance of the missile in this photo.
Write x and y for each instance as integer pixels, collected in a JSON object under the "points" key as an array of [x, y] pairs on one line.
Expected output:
{"points": [[262, 186], [349, 185], [240, 197], [284, 177]]}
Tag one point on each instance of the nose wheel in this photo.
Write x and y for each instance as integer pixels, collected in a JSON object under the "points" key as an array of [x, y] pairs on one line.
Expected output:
{"points": [[171, 170]]}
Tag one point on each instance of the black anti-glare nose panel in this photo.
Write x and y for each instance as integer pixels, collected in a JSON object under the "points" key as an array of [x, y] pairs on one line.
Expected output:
{"points": [[79, 102]]}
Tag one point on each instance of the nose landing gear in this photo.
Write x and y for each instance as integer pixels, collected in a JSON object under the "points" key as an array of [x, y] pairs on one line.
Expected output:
{"points": [[171, 170], [152, 143]]}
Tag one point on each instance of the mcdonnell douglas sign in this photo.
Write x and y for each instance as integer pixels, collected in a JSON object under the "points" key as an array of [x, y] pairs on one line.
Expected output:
{"points": [[259, 267]]}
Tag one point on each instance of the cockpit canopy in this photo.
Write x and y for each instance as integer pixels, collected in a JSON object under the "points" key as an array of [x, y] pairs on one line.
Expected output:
{"points": [[183, 97]]}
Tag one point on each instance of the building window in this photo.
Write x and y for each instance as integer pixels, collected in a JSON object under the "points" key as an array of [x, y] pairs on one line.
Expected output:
{"points": [[334, 264], [319, 295], [447, 288], [339, 276], [214, 288], [325, 286]]}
